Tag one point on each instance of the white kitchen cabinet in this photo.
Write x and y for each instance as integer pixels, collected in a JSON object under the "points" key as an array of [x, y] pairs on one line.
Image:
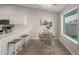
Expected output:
{"points": [[18, 20], [15, 19], [5, 38], [4, 43]]}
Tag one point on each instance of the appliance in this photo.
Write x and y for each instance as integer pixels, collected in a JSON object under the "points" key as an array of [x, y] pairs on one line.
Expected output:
{"points": [[4, 22], [1, 31]]}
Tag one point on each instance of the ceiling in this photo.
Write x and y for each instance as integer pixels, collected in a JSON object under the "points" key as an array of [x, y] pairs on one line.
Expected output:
{"points": [[46, 7]]}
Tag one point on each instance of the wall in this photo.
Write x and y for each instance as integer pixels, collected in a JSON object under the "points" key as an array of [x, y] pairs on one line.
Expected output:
{"points": [[72, 47], [32, 17]]}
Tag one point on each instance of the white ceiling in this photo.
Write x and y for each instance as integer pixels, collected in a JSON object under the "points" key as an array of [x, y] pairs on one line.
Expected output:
{"points": [[53, 8]]}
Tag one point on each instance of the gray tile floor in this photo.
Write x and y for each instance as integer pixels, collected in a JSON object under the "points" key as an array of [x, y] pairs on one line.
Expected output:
{"points": [[36, 48]]}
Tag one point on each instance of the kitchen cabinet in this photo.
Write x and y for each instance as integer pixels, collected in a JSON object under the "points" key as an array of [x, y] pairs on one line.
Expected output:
{"points": [[15, 34]]}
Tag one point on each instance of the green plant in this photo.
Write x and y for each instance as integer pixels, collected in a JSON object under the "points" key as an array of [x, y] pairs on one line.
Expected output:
{"points": [[48, 24]]}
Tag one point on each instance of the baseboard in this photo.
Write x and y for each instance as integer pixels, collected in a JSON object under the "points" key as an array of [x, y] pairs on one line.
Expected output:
{"points": [[67, 47]]}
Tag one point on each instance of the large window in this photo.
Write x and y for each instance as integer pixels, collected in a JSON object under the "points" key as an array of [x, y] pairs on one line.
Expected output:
{"points": [[70, 24]]}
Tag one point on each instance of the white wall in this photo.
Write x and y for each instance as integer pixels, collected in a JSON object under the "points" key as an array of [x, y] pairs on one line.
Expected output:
{"points": [[32, 17], [73, 47]]}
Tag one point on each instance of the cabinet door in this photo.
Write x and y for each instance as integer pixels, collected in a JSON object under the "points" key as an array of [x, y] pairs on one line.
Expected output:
{"points": [[4, 45], [18, 20]]}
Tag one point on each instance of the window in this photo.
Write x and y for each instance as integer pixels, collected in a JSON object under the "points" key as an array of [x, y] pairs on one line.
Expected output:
{"points": [[70, 24]]}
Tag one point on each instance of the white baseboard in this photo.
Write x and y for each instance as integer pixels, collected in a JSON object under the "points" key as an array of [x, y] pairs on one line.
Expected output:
{"points": [[67, 47]]}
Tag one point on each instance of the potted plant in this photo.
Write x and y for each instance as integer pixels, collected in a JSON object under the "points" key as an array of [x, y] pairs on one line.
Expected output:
{"points": [[48, 25]]}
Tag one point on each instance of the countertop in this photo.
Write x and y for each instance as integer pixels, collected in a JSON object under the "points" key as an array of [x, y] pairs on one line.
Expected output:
{"points": [[14, 41], [17, 29]]}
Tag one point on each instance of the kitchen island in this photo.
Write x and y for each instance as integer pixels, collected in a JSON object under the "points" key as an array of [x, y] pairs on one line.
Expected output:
{"points": [[16, 33]]}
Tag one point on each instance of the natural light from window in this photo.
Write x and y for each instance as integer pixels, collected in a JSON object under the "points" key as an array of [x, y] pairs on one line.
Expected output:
{"points": [[70, 24]]}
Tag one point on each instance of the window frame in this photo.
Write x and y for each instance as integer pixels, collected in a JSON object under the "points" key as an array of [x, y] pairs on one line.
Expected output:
{"points": [[62, 25]]}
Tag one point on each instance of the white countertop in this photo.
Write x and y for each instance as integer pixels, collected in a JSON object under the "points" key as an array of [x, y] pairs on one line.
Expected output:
{"points": [[17, 29]]}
